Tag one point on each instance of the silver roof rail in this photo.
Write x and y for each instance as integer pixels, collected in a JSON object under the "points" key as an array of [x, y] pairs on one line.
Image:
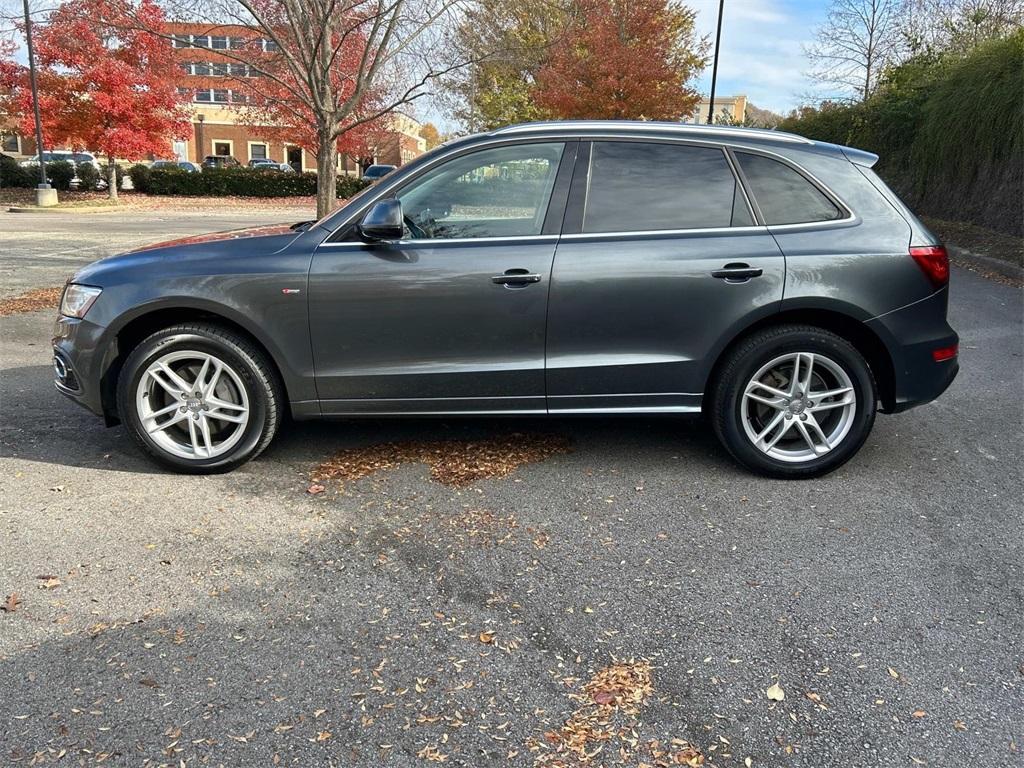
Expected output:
{"points": [[663, 127]]}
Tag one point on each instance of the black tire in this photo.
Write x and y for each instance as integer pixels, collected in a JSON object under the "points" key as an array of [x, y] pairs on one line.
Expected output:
{"points": [[254, 370], [758, 350]]}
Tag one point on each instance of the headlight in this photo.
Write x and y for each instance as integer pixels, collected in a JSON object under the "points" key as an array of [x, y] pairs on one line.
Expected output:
{"points": [[77, 299]]}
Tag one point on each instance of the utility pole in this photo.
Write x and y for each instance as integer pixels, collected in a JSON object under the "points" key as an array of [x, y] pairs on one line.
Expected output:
{"points": [[714, 67], [46, 196]]}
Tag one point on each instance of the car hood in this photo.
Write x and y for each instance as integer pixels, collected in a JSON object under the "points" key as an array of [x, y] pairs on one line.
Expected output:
{"points": [[213, 237], [215, 253]]}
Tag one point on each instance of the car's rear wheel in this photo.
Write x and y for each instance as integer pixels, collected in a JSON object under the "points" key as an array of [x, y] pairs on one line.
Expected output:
{"points": [[199, 398], [793, 401]]}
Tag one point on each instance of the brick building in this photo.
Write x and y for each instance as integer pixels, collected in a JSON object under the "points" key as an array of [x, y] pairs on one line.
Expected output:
{"points": [[216, 86]]}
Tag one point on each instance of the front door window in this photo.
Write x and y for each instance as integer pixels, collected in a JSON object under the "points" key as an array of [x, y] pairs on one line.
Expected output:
{"points": [[501, 192]]}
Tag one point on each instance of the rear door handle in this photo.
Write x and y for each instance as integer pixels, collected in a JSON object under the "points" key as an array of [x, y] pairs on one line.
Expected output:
{"points": [[516, 278], [737, 273]]}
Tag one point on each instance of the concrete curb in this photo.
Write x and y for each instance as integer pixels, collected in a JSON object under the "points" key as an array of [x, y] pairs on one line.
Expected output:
{"points": [[984, 263], [58, 209]]}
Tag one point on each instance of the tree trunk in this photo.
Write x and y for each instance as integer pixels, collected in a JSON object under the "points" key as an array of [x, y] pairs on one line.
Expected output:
{"points": [[111, 179], [326, 174]]}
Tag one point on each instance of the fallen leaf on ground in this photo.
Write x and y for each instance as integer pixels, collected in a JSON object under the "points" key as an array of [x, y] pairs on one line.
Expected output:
{"points": [[918, 713], [11, 604], [775, 693], [32, 301], [487, 637], [48, 582], [149, 683], [893, 673], [315, 489], [457, 463]]}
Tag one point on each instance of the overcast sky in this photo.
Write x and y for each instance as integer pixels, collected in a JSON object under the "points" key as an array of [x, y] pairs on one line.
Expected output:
{"points": [[761, 54]]}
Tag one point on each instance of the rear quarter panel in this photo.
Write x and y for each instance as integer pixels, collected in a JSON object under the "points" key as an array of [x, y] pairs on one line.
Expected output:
{"points": [[860, 266]]}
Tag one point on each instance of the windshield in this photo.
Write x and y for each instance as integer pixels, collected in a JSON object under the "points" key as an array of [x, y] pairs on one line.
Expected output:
{"points": [[83, 157]]}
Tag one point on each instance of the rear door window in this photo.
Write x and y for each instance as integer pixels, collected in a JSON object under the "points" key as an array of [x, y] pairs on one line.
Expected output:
{"points": [[647, 186], [784, 195]]}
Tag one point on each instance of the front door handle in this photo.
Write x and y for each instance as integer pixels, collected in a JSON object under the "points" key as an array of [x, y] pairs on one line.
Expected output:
{"points": [[516, 278], [737, 273]]}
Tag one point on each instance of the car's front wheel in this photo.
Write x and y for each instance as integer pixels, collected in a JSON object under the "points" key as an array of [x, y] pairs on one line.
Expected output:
{"points": [[793, 401], [199, 398]]}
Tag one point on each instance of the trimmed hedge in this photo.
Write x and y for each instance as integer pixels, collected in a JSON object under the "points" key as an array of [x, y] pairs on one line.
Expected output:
{"points": [[239, 182], [13, 175]]}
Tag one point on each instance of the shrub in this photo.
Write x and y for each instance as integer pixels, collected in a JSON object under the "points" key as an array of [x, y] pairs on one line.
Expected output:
{"points": [[13, 175], [139, 174], [241, 182], [88, 176], [60, 174], [350, 185]]}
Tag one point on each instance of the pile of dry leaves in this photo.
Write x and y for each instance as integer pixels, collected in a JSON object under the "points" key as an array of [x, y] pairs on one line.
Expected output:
{"points": [[33, 301], [604, 726], [457, 463]]}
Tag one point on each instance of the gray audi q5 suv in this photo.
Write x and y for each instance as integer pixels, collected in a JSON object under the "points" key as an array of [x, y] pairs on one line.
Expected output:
{"points": [[772, 283]]}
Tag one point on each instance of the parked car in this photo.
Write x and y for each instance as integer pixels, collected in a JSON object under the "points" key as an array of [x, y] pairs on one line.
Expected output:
{"points": [[184, 165], [375, 172], [270, 165], [772, 283], [62, 155], [220, 161]]}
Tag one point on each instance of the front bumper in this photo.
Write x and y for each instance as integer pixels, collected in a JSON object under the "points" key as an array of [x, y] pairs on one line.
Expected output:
{"points": [[77, 361], [912, 333]]}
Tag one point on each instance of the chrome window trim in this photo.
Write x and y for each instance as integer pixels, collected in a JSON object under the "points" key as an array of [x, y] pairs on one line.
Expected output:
{"points": [[504, 137], [430, 242], [662, 232]]}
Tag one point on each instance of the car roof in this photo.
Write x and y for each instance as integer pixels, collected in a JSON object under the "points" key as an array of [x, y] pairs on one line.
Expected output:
{"points": [[660, 129]]}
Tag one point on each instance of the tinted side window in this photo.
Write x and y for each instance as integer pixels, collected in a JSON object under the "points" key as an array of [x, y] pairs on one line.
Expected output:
{"points": [[783, 195], [643, 186], [501, 192]]}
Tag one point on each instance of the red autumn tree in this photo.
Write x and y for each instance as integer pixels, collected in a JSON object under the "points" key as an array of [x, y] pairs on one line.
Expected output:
{"points": [[333, 66], [104, 85], [624, 59]]}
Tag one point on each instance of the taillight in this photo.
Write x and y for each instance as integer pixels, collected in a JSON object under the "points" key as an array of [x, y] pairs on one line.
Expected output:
{"points": [[933, 261], [942, 354]]}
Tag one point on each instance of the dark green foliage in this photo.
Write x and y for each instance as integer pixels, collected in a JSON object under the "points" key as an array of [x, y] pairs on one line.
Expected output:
{"points": [[88, 176], [13, 175], [237, 182], [60, 174], [139, 175], [949, 132]]}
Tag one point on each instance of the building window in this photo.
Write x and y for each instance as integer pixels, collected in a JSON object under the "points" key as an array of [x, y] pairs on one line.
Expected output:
{"points": [[222, 148], [203, 95], [200, 41], [180, 41], [219, 43], [218, 69], [237, 97], [220, 95], [200, 68], [10, 143], [236, 43], [257, 151], [238, 70], [185, 93], [186, 68], [270, 46]]}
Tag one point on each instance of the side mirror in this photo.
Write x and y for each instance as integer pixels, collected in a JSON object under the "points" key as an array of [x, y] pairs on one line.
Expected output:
{"points": [[383, 223]]}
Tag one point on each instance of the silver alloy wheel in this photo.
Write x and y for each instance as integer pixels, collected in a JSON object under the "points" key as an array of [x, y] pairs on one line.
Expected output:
{"points": [[798, 407], [192, 404]]}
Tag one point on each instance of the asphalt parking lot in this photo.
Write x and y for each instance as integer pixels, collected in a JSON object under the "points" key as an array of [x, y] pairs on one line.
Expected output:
{"points": [[627, 597]]}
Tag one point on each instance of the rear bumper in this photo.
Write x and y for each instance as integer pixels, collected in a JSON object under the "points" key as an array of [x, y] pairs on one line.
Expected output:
{"points": [[911, 334]]}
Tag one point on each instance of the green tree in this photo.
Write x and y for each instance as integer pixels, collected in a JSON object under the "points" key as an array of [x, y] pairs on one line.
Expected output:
{"points": [[507, 42]]}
